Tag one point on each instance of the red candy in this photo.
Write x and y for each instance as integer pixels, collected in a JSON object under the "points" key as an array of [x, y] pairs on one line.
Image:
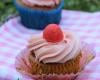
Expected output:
{"points": [[53, 33]]}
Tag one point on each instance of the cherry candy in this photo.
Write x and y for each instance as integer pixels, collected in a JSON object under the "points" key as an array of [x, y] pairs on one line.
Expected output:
{"points": [[53, 33]]}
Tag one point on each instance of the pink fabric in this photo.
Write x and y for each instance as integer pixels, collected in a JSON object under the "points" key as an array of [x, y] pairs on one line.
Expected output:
{"points": [[13, 38]]}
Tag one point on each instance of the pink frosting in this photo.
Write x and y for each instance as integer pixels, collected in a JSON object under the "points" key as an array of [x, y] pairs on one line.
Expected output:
{"points": [[60, 52], [48, 3]]}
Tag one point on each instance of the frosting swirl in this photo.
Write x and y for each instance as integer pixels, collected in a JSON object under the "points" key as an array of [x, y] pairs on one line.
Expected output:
{"points": [[48, 3], [60, 52]]}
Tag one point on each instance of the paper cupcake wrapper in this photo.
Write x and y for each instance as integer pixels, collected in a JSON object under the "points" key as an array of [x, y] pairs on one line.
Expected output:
{"points": [[23, 66], [38, 19]]}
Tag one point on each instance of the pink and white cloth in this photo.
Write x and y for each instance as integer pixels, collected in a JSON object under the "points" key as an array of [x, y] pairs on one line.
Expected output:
{"points": [[14, 37]]}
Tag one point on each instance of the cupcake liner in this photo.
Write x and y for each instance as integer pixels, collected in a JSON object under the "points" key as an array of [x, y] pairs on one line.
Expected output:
{"points": [[23, 65], [88, 54], [50, 77], [38, 19]]}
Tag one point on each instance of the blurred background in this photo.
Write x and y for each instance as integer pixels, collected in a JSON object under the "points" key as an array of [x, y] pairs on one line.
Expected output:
{"points": [[7, 8]]}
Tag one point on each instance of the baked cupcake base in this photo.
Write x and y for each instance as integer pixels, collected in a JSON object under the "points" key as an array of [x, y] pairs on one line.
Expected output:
{"points": [[71, 66]]}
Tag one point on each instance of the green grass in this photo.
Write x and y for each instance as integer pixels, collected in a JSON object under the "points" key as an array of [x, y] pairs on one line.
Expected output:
{"points": [[7, 7], [84, 5]]}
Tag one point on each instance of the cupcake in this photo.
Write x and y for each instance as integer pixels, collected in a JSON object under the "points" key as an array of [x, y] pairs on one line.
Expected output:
{"points": [[36, 14], [53, 55]]}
